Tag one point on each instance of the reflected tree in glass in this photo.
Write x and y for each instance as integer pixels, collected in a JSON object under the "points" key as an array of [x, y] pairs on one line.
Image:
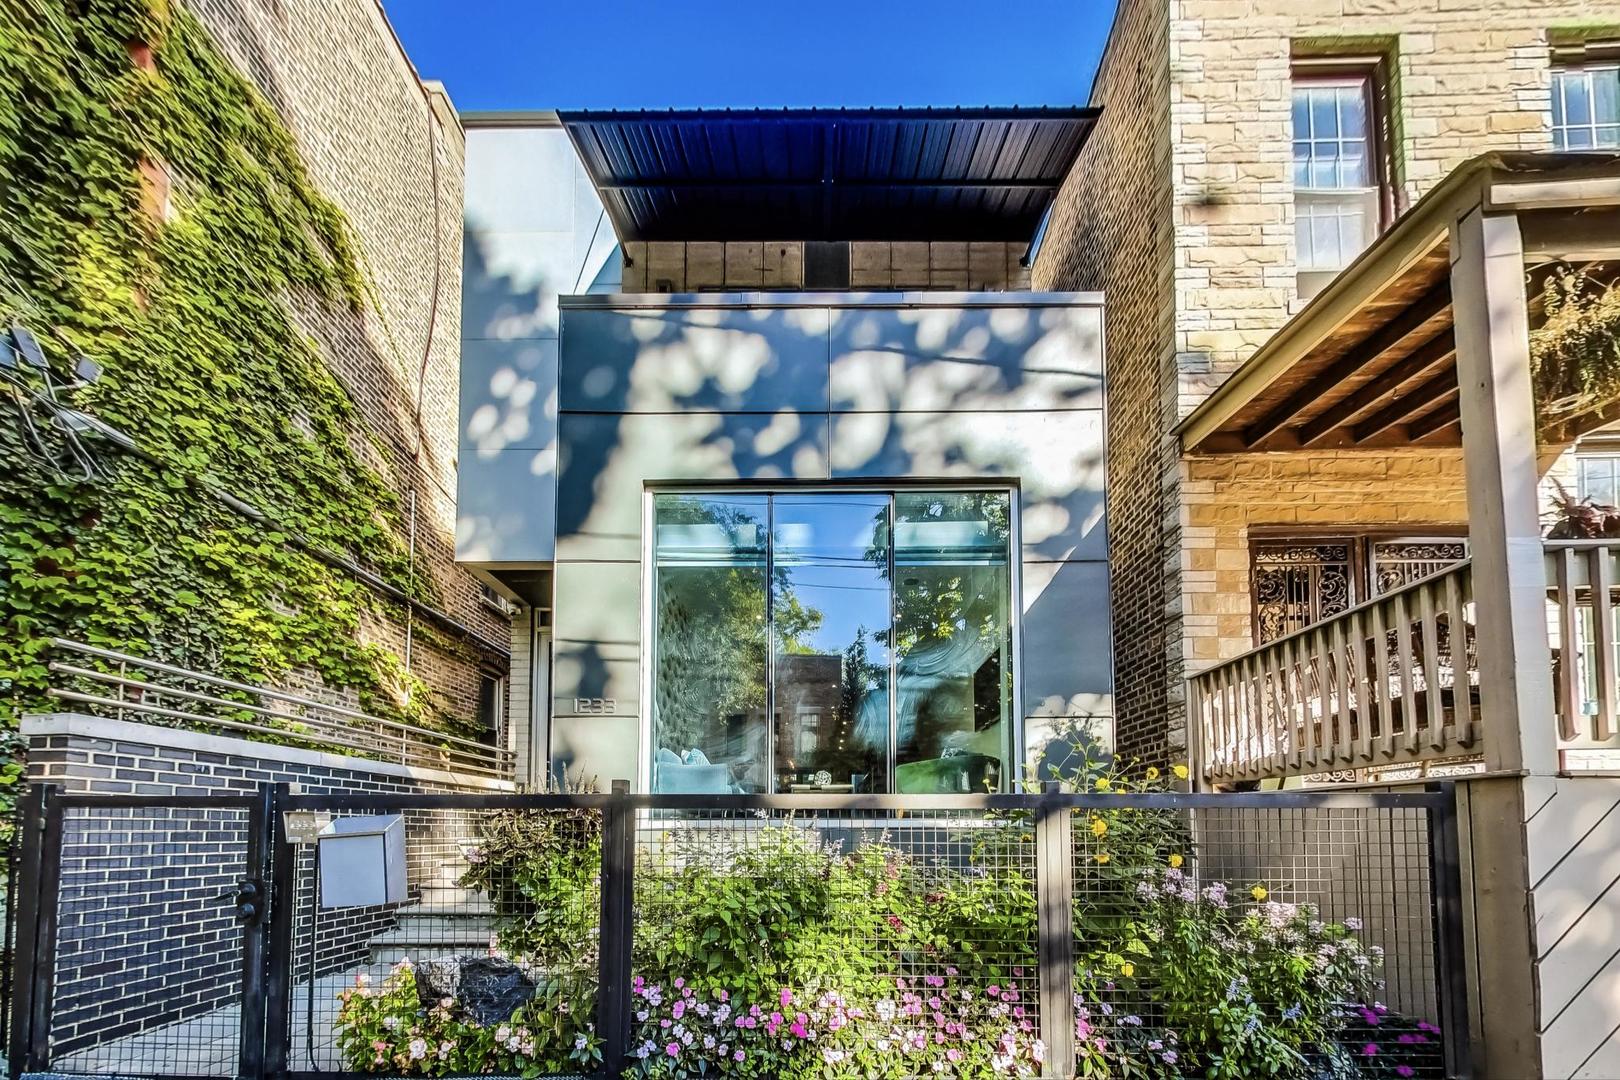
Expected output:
{"points": [[711, 649], [952, 641], [834, 670]]}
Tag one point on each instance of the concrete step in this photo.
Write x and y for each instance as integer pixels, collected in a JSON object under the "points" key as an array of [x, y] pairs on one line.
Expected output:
{"points": [[444, 922]]}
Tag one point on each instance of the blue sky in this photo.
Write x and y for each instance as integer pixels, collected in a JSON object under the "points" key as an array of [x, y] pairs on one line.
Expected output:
{"points": [[544, 54]]}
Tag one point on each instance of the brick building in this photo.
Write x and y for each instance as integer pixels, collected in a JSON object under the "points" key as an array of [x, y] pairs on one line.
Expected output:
{"points": [[387, 148], [1192, 208]]}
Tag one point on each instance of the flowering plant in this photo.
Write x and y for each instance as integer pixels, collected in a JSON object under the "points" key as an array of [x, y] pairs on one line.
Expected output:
{"points": [[925, 1027], [387, 1028]]}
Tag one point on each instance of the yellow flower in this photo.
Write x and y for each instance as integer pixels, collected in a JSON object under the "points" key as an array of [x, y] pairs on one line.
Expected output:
{"points": [[1180, 771], [1153, 772], [1102, 783], [1127, 969], [1175, 861], [1259, 892], [1103, 858], [1099, 827]]}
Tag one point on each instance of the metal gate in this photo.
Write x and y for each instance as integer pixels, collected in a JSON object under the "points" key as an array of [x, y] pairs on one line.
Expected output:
{"points": [[141, 916]]}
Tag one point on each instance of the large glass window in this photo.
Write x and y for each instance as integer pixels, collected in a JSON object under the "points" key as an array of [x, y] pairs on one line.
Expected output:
{"points": [[840, 641], [1586, 107]]}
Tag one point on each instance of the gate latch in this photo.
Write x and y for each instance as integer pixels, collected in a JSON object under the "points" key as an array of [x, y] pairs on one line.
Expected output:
{"points": [[248, 894]]}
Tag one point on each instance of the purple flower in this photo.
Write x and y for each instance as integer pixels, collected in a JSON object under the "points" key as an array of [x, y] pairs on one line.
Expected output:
{"points": [[673, 1049], [1405, 1070], [1370, 1050]]}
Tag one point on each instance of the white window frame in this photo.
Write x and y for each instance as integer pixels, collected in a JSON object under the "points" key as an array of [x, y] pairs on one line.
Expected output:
{"points": [[1370, 200], [1561, 74]]}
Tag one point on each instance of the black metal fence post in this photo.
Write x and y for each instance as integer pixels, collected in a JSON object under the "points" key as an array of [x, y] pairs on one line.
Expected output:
{"points": [[282, 900], [1054, 905], [25, 900], [1450, 974], [39, 885], [616, 928], [251, 899]]}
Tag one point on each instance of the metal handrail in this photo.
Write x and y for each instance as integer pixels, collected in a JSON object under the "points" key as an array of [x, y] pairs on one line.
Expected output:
{"points": [[324, 724]]}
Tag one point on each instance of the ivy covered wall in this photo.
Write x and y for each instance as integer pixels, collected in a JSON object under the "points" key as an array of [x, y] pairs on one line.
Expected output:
{"points": [[156, 214]]}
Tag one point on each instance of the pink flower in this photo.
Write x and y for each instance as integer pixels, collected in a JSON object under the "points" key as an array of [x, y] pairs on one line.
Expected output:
{"points": [[1405, 1070], [1370, 1050], [673, 1049]]}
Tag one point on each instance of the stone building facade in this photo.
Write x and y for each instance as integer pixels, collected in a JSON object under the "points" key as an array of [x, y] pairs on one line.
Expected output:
{"points": [[387, 148], [1196, 140]]}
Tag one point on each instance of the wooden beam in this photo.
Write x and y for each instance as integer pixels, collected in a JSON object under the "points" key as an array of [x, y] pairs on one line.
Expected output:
{"points": [[1571, 235], [1434, 423], [1504, 506], [1432, 304], [1436, 389], [1435, 351]]}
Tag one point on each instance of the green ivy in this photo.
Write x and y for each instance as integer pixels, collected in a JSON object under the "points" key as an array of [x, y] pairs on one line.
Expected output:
{"points": [[198, 317]]}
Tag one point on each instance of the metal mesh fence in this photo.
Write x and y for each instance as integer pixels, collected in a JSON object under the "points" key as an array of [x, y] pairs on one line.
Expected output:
{"points": [[488, 964], [766, 936], [1276, 940], [147, 948], [748, 937]]}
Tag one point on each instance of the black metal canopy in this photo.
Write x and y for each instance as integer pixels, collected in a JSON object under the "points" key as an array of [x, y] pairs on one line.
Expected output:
{"points": [[828, 174]]}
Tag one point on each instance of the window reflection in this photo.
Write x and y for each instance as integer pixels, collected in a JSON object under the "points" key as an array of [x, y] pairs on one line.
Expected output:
{"points": [[710, 650], [953, 646], [831, 608], [832, 641]]}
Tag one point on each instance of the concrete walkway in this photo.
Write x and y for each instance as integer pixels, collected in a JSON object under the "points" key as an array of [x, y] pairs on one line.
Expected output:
{"points": [[209, 1045]]}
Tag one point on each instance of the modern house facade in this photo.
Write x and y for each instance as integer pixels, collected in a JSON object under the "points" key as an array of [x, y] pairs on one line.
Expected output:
{"points": [[1341, 406], [827, 476]]}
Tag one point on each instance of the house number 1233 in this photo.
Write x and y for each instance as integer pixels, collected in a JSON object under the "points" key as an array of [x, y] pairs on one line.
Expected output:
{"points": [[595, 706]]}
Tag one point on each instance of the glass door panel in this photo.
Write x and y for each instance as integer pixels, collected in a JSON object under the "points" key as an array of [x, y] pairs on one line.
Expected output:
{"points": [[952, 641], [711, 656], [830, 613]]}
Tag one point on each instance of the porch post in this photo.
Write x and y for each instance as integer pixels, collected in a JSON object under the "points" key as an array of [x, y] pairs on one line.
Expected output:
{"points": [[1504, 522], [1515, 662]]}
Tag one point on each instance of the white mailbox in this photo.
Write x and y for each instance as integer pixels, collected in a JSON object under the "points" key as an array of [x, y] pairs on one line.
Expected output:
{"points": [[363, 861]]}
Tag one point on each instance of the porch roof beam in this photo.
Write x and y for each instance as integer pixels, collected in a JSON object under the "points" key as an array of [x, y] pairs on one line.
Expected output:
{"points": [[1431, 354], [1408, 405], [1572, 200], [1387, 337]]}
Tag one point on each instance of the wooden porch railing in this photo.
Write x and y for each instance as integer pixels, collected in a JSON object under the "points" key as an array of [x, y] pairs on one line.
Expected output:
{"points": [[1389, 681], [1329, 697], [1584, 595]]}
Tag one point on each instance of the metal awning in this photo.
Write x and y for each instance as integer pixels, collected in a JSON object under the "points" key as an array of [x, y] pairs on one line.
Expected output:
{"points": [[829, 174], [1371, 362]]}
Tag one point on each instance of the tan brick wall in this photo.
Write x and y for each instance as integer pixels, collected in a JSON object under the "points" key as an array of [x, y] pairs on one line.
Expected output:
{"points": [[1206, 114], [390, 155], [1110, 231], [1226, 497]]}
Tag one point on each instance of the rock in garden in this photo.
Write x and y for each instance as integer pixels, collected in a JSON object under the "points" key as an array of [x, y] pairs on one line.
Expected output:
{"points": [[437, 980], [491, 990]]}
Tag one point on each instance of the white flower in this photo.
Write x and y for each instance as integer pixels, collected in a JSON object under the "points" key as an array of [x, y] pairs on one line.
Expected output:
{"points": [[418, 1049]]}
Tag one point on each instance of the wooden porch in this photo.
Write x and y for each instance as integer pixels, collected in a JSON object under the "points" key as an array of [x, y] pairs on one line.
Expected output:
{"points": [[1392, 681], [1425, 343]]}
